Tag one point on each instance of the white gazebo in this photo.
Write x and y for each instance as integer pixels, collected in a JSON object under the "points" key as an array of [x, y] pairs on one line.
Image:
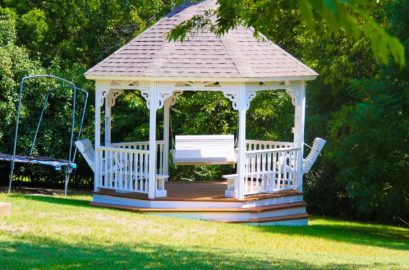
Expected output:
{"points": [[237, 64]]}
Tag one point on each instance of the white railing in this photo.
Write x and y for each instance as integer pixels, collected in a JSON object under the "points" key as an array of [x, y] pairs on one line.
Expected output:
{"points": [[252, 145], [123, 169], [145, 146], [271, 170]]}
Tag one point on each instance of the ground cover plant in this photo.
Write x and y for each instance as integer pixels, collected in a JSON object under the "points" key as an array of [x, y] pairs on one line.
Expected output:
{"points": [[53, 232]]}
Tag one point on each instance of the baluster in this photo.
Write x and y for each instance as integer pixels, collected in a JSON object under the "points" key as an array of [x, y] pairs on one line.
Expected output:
{"points": [[263, 170], [286, 167], [105, 166], [130, 172], [295, 170], [274, 171], [118, 168], [114, 168], [251, 172], [145, 188], [247, 172], [258, 161], [137, 170], [141, 172], [121, 168], [280, 174], [109, 168], [161, 158], [124, 169], [269, 185], [127, 171]]}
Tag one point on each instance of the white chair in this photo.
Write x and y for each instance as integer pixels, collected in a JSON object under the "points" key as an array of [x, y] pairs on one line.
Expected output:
{"points": [[315, 151], [204, 150], [87, 151]]}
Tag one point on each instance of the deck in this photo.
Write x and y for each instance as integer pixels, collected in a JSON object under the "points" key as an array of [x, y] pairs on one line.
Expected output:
{"points": [[206, 201], [197, 191]]}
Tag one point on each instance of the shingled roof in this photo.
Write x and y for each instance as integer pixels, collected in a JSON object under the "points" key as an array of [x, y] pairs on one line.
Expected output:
{"points": [[236, 56]]}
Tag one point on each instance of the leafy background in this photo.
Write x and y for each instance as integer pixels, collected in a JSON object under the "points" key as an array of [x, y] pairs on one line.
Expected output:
{"points": [[359, 103]]}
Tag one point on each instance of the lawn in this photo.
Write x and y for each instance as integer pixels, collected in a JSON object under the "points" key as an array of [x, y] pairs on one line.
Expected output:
{"points": [[53, 232]]}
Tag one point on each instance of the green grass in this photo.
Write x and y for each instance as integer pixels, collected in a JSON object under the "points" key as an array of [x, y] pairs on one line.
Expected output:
{"points": [[47, 232]]}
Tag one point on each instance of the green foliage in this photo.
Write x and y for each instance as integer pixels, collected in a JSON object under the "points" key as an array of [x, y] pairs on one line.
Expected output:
{"points": [[14, 64], [82, 31], [375, 162], [349, 16], [358, 103], [33, 29], [7, 26]]}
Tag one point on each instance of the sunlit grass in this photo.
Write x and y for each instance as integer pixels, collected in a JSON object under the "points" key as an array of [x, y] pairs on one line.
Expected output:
{"points": [[66, 233]]}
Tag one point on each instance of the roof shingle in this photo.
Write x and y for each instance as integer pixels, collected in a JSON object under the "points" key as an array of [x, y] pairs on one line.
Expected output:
{"points": [[236, 55]]}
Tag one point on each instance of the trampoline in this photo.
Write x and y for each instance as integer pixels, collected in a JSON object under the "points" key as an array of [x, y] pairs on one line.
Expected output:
{"points": [[58, 164], [68, 164]]}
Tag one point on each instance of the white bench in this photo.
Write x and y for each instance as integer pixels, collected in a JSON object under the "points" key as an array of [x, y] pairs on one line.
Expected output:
{"points": [[204, 150]]}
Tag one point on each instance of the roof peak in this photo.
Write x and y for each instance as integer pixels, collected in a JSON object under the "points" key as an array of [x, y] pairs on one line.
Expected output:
{"points": [[236, 55]]}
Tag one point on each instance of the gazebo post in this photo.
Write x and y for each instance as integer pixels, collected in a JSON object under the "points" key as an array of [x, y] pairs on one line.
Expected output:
{"points": [[101, 91], [242, 108], [108, 107], [153, 101], [166, 121], [298, 95]]}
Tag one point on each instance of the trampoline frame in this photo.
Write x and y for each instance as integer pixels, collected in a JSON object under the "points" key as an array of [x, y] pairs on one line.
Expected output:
{"points": [[70, 162]]}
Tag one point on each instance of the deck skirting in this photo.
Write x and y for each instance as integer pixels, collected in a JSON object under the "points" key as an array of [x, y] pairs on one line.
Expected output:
{"points": [[205, 201]]}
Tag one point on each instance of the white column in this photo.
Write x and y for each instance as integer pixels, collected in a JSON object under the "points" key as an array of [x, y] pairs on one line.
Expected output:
{"points": [[241, 98], [108, 108], [298, 93], [153, 101], [101, 89], [166, 120], [242, 108]]}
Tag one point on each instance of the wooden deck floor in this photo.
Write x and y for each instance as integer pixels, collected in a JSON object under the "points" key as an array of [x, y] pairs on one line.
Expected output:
{"points": [[197, 191]]}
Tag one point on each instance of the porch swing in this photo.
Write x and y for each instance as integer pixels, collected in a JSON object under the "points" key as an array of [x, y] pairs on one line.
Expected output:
{"points": [[203, 149]]}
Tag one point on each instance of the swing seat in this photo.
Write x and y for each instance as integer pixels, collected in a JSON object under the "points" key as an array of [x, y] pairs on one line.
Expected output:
{"points": [[204, 150]]}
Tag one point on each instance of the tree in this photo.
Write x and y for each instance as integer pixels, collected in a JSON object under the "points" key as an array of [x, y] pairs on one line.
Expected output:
{"points": [[14, 64], [372, 137], [350, 16]]}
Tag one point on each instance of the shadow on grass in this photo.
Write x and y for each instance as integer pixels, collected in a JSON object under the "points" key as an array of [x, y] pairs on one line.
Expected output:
{"points": [[40, 252], [369, 235], [67, 201]]}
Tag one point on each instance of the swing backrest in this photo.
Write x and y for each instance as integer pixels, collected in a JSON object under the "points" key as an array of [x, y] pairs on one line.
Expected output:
{"points": [[87, 151], [316, 149], [204, 149]]}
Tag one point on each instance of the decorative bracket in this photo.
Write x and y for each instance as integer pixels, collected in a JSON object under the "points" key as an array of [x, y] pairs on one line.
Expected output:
{"points": [[100, 97], [294, 92], [155, 96], [174, 97], [233, 96], [124, 84], [113, 95], [240, 97]]}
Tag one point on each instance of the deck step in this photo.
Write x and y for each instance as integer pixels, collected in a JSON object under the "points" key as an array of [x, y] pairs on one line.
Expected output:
{"points": [[270, 219], [257, 209], [182, 195]]}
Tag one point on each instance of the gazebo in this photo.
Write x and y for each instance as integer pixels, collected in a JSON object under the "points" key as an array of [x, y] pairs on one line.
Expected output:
{"points": [[133, 175]]}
